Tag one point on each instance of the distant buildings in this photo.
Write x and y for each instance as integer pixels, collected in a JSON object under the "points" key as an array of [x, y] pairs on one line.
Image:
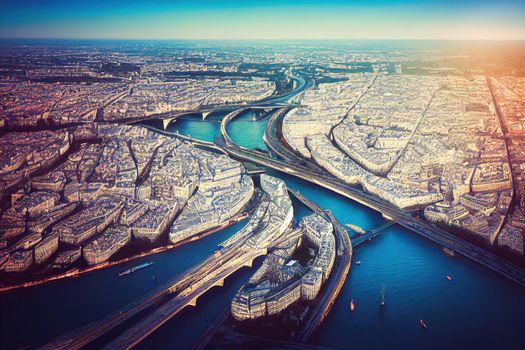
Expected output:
{"points": [[433, 142], [186, 95]]}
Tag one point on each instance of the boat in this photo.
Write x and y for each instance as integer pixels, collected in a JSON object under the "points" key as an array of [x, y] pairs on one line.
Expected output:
{"points": [[358, 262], [423, 324], [449, 277], [352, 305], [449, 252], [135, 268], [382, 301]]}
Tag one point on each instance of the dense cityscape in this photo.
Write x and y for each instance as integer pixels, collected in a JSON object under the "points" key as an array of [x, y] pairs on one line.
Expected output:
{"points": [[97, 172]]}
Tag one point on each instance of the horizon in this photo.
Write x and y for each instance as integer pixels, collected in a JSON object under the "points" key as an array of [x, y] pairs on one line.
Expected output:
{"points": [[258, 40]]}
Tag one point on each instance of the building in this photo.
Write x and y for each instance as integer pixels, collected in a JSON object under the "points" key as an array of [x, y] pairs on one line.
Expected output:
{"points": [[108, 243], [90, 221], [45, 248], [19, 261]]}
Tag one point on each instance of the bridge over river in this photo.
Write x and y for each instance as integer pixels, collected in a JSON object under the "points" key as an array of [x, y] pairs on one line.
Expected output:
{"points": [[155, 308], [406, 218]]}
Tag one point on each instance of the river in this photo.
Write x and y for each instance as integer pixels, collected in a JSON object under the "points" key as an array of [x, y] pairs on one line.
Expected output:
{"points": [[478, 309]]}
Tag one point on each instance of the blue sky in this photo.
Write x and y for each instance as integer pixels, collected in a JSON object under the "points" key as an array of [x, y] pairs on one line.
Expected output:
{"points": [[270, 19]]}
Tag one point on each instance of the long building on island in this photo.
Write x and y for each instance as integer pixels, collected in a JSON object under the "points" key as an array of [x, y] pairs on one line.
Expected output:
{"points": [[283, 280]]}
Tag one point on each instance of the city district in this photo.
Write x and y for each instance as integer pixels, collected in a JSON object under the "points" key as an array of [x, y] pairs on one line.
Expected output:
{"points": [[91, 175]]}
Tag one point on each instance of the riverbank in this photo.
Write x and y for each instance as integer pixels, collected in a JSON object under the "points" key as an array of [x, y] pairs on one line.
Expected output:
{"points": [[76, 272]]}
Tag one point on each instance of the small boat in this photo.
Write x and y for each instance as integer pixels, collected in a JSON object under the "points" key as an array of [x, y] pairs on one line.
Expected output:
{"points": [[423, 324], [448, 251], [382, 301], [135, 268], [449, 277], [352, 305], [358, 262]]}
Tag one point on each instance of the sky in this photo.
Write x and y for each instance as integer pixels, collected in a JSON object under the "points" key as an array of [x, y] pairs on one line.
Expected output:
{"points": [[265, 19]]}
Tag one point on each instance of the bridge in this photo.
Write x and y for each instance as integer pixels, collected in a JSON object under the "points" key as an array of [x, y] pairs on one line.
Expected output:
{"points": [[356, 239], [266, 104], [370, 235], [210, 146], [405, 218], [156, 307], [210, 274], [163, 302], [198, 281], [168, 117]]}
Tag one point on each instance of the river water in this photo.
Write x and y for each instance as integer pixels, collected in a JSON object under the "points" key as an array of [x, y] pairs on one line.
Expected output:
{"points": [[478, 309]]}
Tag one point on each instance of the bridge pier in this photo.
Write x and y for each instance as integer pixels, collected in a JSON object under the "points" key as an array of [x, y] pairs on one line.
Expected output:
{"points": [[166, 123], [387, 217], [219, 283]]}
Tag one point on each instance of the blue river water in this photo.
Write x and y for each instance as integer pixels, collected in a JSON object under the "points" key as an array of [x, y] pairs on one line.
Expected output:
{"points": [[478, 309]]}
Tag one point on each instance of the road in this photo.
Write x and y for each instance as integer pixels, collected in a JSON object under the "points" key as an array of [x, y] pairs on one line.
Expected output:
{"points": [[85, 335], [226, 120], [210, 274], [405, 218], [363, 93], [273, 138]]}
